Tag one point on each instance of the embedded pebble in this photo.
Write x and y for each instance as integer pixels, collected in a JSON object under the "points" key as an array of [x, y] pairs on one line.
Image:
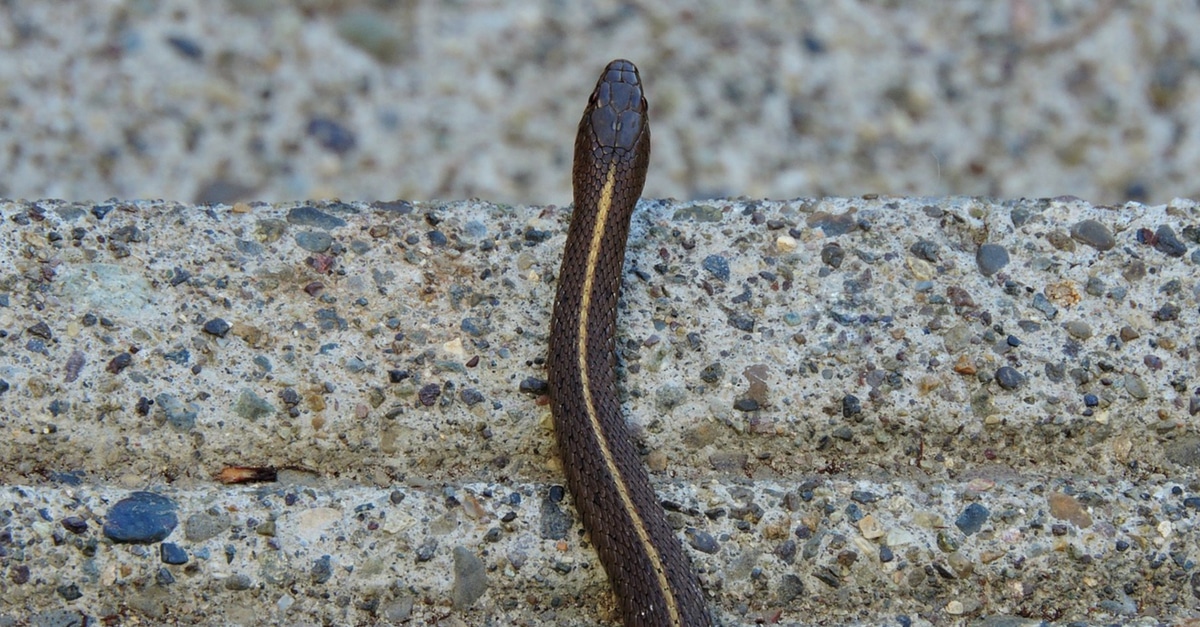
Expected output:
{"points": [[702, 541], [171, 553], [251, 406], [311, 216], [1078, 329], [991, 258], [140, 518], [1066, 507], [203, 526], [470, 578], [217, 327], [1094, 234], [1167, 243], [314, 241], [717, 266], [971, 520], [1009, 378], [1136, 387]]}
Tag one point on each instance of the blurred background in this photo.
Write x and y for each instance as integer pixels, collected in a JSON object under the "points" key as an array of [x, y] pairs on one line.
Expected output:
{"points": [[228, 100]]}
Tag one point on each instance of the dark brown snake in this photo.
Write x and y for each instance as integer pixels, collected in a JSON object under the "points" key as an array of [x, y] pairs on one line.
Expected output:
{"points": [[647, 567]]}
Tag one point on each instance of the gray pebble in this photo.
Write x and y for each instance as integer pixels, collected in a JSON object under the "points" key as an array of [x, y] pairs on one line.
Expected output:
{"points": [[470, 578], [1043, 304], [372, 33], [427, 549], [712, 373], [699, 213], [171, 553], [556, 523], [925, 249], [833, 224], [1078, 329], [239, 582], [474, 229], [1136, 387], [1009, 378], [310, 216], [832, 255], [251, 406], [990, 258], [399, 610], [470, 396], [206, 525], [314, 241], [745, 404], [844, 433], [475, 327], [741, 321], [1093, 234], [702, 541], [851, 406], [1134, 271], [1166, 242], [670, 396], [217, 327], [789, 589]]}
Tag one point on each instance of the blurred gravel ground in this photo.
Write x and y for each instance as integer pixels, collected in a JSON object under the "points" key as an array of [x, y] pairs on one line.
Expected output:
{"points": [[260, 99]]}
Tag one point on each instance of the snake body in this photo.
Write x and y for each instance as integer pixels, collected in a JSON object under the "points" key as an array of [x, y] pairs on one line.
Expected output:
{"points": [[646, 565]]}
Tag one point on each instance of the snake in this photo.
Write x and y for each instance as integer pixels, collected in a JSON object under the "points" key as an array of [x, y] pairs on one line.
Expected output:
{"points": [[650, 574]]}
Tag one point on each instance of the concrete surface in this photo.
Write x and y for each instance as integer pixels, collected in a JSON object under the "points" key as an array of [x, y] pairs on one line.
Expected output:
{"points": [[850, 421]]}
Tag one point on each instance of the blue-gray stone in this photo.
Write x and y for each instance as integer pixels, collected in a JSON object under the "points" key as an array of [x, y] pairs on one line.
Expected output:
{"points": [[717, 265], [140, 518], [1166, 242], [701, 541], [249, 247], [314, 241], [1009, 378], [217, 327], [476, 327], [990, 258], [556, 523], [1043, 304], [474, 229], [971, 519], [332, 135], [171, 553], [310, 216]]}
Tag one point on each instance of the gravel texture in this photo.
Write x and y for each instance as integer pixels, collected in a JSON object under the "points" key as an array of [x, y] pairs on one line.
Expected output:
{"points": [[264, 100], [209, 420]]}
